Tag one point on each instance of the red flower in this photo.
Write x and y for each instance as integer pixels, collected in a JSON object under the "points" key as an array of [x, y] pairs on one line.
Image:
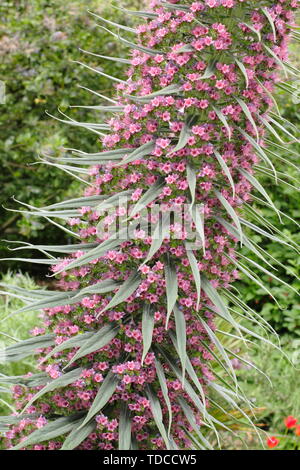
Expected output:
{"points": [[290, 422], [297, 430], [272, 441]]}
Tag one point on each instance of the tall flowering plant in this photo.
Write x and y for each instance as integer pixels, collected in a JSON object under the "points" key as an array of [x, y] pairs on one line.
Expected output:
{"points": [[129, 336]]}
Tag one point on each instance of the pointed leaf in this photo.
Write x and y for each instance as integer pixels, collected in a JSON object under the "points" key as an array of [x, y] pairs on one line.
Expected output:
{"points": [[62, 381], [180, 324], [163, 385], [124, 428], [97, 341], [125, 291], [78, 435], [105, 392], [171, 287], [147, 329]]}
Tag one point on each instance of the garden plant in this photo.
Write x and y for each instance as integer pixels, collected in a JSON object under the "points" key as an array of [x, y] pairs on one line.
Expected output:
{"points": [[131, 354]]}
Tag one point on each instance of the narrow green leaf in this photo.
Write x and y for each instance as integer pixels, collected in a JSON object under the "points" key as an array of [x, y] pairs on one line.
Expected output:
{"points": [[243, 70], [25, 348], [96, 341], [191, 179], [171, 287], [180, 325], [51, 430], [258, 186], [157, 415], [124, 428], [163, 385], [78, 435], [195, 270], [231, 212], [147, 329], [226, 170], [248, 115], [223, 119], [271, 21], [73, 342], [138, 153], [149, 196], [125, 291], [105, 392], [62, 381]]}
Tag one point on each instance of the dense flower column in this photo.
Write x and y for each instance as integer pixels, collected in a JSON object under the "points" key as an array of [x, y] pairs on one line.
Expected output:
{"points": [[134, 338]]}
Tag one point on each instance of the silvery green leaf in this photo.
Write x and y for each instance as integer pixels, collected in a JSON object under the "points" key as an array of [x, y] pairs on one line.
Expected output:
{"points": [[192, 420], [124, 428], [191, 179], [113, 200], [93, 254], [119, 26], [62, 381], [223, 119], [215, 298], [35, 380], [180, 325], [254, 278], [160, 232], [276, 58], [226, 170], [147, 329], [209, 71], [163, 385], [126, 290], [171, 287], [105, 392], [191, 372], [255, 31], [252, 180], [138, 154], [96, 341], [214, 339], [70, 343], [270, 128], [76, 203], [199, 223], [78, 435], [149, 196], [195, 270], [231, 229], [51, 430], [271, 21], [140, 14], [243, 70], [248, 115], [157, 415], [168, 90], [56, 248], [184, 136], [114, 79], [259, 266], [25, 348], [231, 212]]}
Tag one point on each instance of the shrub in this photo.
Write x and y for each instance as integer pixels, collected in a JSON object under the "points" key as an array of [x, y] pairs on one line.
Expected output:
{"points": [[131, 338]]}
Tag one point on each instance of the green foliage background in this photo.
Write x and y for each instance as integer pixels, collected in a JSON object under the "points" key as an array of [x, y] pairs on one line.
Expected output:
{"points": [[38, 42]]}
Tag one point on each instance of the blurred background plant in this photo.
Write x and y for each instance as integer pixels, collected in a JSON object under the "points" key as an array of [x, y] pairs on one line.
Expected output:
{"points": [[38, 42]]}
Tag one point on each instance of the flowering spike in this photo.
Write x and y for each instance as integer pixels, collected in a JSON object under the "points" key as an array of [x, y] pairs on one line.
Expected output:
{"points": [[130, 357]]}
